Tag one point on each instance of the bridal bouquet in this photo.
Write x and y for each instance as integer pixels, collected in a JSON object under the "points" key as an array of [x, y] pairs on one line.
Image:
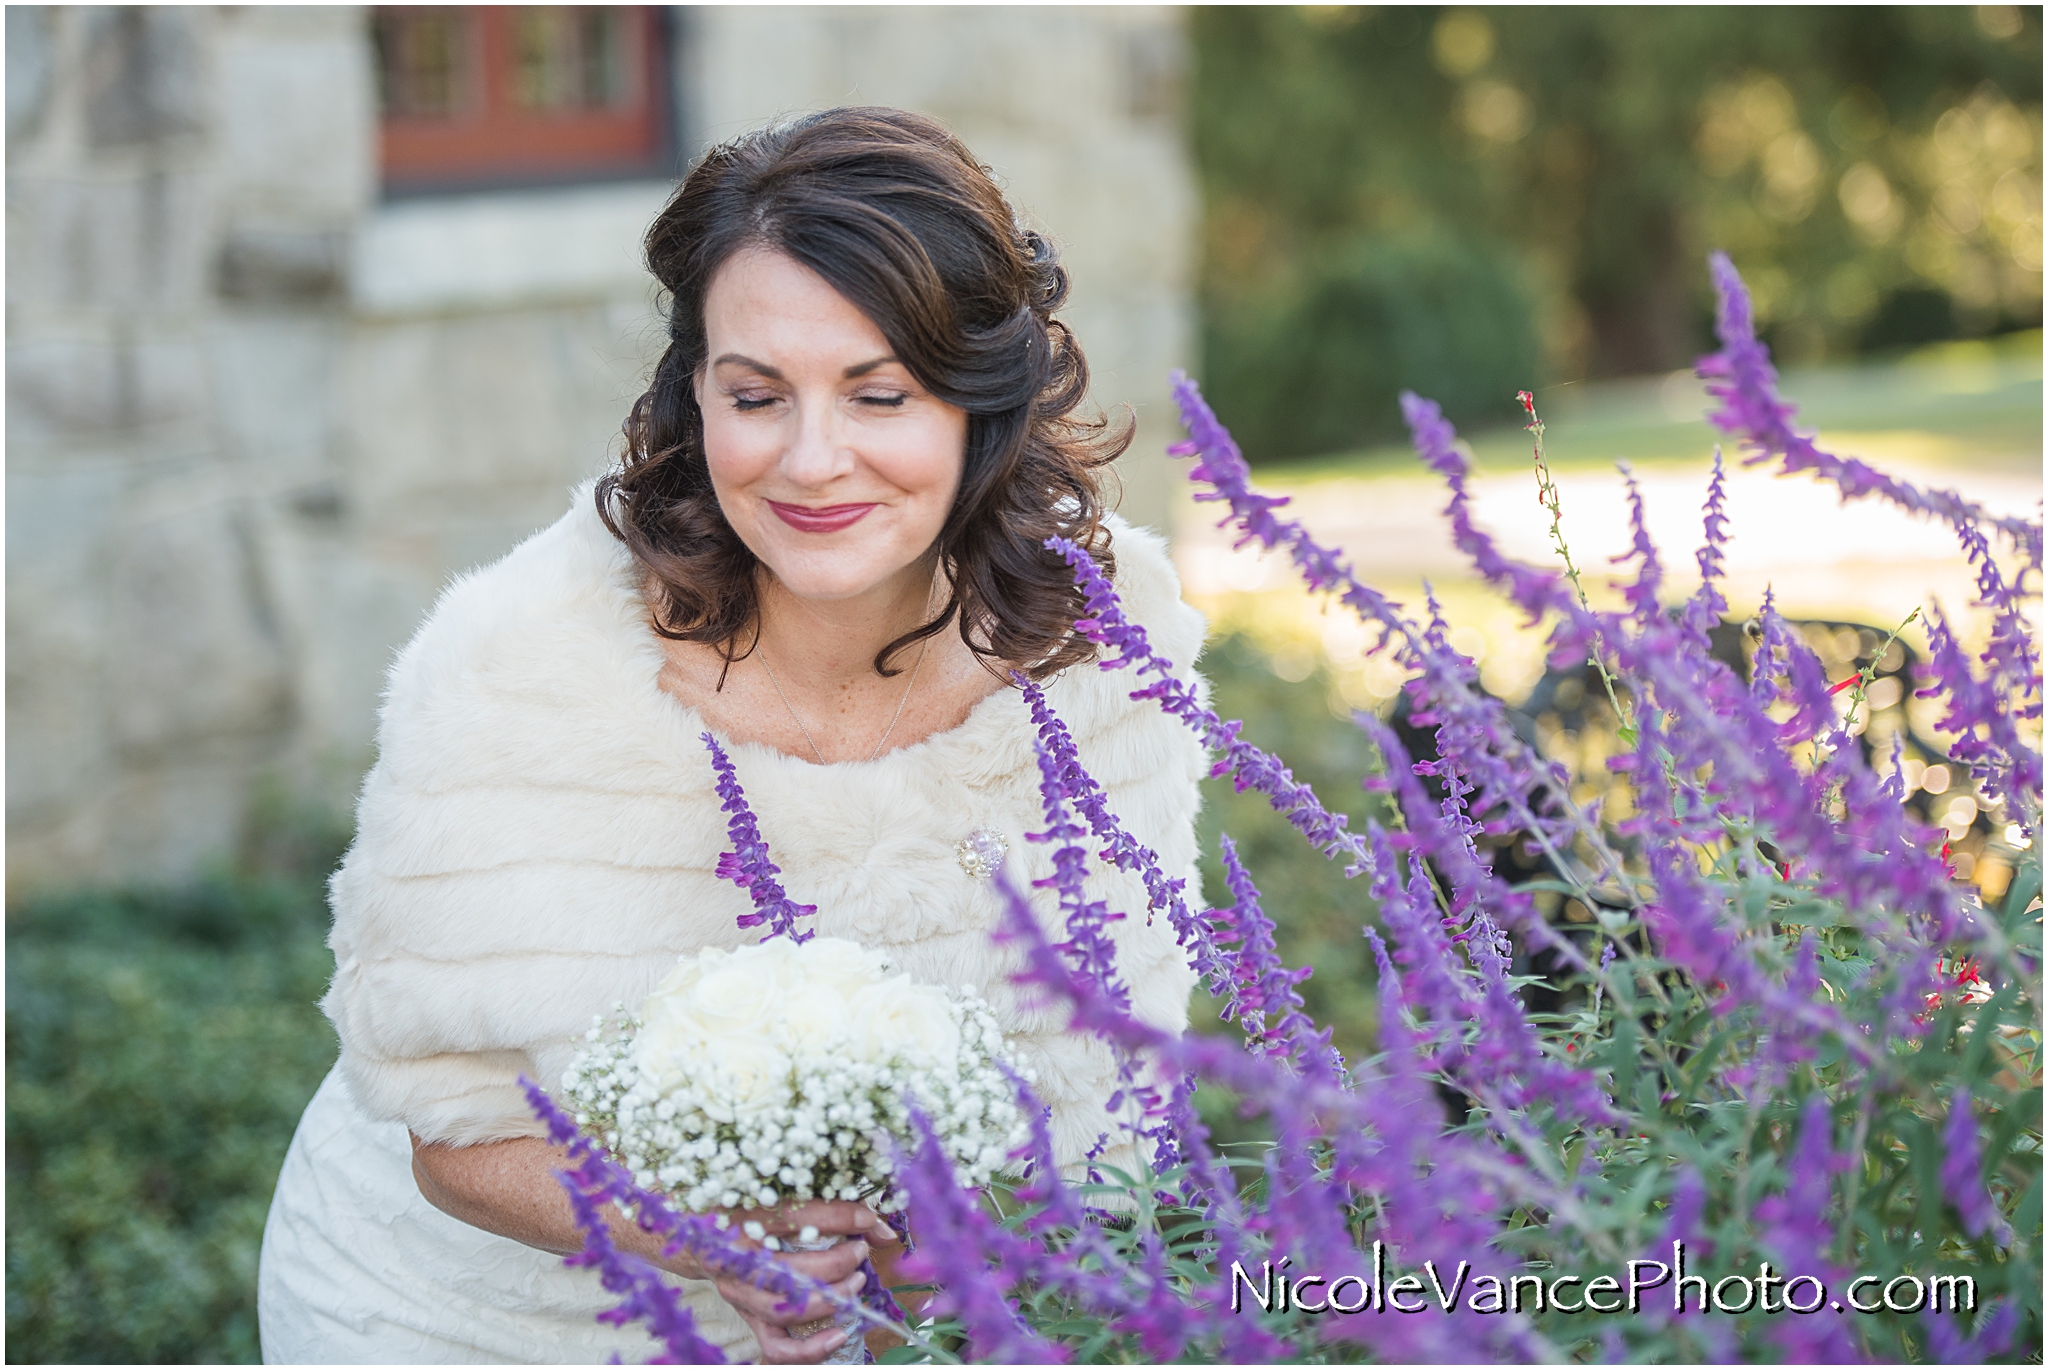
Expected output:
{"points": [[787, 1070], [797, 1068]]}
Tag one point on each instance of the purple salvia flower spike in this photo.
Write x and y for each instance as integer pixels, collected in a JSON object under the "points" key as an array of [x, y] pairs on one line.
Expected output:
{"points": [[1445, 1200], [1436, 443], [1947, 1346], [1962, 1180], [1704, 610], [963, 1250], [1895, 778], [1118, 847], [1248, 766], [1730, 733], [747, 865], [1432, 978], [1505, 1062], [591, 1181], [1797, 1227], [1505, 771], [1263, 999], [1641, 593], [1743, 381], [1987, 737], [1089, 944]]}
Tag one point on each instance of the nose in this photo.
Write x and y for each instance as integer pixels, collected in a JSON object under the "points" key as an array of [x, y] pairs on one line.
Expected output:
{"points": [[817, 453]]}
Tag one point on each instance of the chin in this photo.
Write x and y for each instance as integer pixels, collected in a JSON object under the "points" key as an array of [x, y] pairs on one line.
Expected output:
{"points": [[825, 589], [847, 570], [823, 576]]}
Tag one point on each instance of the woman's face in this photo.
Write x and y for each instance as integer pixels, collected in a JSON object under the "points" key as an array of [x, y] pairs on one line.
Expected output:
{"points": [[835, 467]]}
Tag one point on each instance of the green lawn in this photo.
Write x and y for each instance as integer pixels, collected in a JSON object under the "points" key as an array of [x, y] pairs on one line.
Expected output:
{"points": [[1966, 405]]}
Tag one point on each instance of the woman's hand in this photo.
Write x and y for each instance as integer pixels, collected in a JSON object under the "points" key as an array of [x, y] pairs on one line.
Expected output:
{"points": [[838, 1268], [509, 1188]]}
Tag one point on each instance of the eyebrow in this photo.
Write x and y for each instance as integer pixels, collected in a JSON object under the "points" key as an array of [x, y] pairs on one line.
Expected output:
{"points": [[859, 369]]}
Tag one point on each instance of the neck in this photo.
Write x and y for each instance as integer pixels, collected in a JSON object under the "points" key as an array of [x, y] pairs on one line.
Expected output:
{"points": [[830, 643]]}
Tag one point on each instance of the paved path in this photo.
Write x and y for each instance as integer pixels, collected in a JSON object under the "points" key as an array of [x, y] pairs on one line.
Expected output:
{"points": [[1863, 559]]}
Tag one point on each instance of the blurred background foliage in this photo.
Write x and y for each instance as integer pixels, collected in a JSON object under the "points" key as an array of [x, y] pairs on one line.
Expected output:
{"points": [[1318, 912], [1469, 201], [161, 1045]]}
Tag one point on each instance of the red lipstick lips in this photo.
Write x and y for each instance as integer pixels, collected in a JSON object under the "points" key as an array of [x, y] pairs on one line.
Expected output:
{"points": [[829, 519]]}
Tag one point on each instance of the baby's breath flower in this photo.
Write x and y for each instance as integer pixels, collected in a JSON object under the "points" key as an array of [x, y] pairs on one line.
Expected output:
{"points": [[717, 1095]]}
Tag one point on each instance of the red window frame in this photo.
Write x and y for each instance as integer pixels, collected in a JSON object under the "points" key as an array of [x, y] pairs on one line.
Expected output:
{"points": [[490, 140]]}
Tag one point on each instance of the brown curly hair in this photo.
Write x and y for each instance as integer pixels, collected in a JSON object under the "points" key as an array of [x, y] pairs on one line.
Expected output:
{"points": [[894, 212]]}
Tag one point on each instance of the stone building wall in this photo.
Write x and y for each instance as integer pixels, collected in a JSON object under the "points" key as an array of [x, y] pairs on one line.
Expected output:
{"points": [[257, 416]]}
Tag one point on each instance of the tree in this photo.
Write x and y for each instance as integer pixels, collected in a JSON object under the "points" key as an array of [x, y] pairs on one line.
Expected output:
{"points": [[1875, 172]]}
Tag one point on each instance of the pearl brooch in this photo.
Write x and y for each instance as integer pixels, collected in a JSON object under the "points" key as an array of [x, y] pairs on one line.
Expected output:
{"points": [[981, 852]]}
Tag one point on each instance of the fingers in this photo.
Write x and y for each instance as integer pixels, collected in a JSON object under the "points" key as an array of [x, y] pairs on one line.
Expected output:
{"points": [[828, 1266], [839, 1268], [832, 1218], [770, 1324], [778, 1348], [753, 1302]]}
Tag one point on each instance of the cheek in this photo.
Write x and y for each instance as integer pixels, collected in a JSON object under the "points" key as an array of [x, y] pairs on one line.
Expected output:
{"points": [[737, 454], [931, 466]]}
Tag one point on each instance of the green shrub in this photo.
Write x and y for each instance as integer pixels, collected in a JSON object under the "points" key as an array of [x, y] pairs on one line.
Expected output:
{"points": [[1309, 899], [160, 1048], [1318, 365]]}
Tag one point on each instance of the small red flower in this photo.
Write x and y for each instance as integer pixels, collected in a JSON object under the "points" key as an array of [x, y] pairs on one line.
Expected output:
{"points": [[1838, 688], [1965, 973]]}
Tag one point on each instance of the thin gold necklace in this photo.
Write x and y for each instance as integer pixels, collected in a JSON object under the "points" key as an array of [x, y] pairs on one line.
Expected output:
{"points": [[880, 742]]}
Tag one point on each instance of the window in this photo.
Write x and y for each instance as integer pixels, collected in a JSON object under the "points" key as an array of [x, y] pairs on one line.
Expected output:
{"points": [[499, 95]]}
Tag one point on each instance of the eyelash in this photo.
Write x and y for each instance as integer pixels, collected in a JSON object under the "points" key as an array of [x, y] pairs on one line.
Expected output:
{"points": [[747, 406]]}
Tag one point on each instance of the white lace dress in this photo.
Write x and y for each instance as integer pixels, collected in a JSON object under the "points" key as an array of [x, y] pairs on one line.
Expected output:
{"points": [[537, 843]]}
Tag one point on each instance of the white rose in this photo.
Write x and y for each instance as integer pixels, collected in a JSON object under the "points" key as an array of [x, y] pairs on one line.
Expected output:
{"points": [[815, 1020], [744, 1079], [688, 971], [902, 1018], [670, 1035], [671, 1044], [847, 966], [737, 997]]}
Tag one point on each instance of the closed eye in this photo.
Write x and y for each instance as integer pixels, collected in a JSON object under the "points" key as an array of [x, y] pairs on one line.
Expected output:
{"points": [[885, 401]]}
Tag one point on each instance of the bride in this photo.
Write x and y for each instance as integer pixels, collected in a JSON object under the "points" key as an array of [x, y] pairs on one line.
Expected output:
{"points": [[823, 544]]}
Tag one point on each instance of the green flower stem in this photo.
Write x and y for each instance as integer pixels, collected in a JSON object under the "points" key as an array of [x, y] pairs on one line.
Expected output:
{"points": [[1548, 496]]}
